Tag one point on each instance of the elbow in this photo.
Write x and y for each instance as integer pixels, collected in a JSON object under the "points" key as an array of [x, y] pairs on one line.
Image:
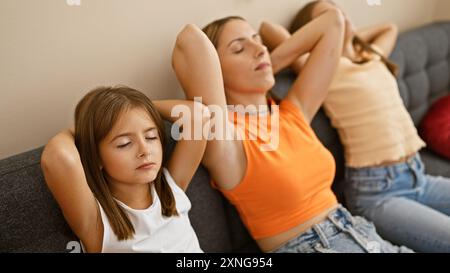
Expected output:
{"points": [[263, 27], [265, 30], [189, 42], [55, 155], [393, 28], [336, 17], [189, 35]]}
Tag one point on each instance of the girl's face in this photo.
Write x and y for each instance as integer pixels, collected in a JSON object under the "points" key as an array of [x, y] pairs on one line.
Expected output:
{"points": [[245, 61], [131, 153], [323, 6]]}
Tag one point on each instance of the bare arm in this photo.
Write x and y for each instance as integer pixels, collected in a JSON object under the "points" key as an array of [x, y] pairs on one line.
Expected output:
{"points": [[64, 175], [323, 38], [189, 150], [197, 66], [273, 35], [384, 36]]}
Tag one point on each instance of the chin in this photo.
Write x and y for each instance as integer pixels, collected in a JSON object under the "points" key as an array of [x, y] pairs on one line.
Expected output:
{"points": [[146, 178], [269, 83]]}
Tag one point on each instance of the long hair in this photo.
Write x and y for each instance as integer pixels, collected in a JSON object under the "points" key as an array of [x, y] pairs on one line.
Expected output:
{"points": [[95, 116], [304, 16], [213, 31]]}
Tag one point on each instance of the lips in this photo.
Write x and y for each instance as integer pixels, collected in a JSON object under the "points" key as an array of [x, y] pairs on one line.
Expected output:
{"points": [[262, 66], [146, 166]]}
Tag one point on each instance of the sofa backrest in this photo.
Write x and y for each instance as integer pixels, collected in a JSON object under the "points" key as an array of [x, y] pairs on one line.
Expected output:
{"points": [[423, 56]]}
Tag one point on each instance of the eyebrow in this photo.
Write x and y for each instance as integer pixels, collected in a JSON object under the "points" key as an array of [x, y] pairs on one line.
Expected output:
{"points": [[129, 134], [240, 39]]}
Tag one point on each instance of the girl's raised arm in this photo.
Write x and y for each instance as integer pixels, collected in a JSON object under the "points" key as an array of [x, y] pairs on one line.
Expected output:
{"points": [[383, 36], [65, 177]]}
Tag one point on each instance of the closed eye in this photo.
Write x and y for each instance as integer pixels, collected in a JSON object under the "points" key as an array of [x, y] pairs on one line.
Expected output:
{"points": [[239, 51], [123, 146]]}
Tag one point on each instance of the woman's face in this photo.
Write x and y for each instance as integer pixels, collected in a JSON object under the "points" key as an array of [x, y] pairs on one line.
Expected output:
{"points": [[245, 61], [323, 6], [131, 153]]}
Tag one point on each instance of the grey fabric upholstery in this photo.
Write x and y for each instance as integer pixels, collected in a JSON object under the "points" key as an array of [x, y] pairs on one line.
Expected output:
{"points": [[32, 222]]}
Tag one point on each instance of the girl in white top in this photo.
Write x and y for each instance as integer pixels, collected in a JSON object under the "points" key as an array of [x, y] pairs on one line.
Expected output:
{"points": [[119, 197]]}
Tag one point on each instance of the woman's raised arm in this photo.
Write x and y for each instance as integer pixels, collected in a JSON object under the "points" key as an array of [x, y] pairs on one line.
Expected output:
{"points": [[197, 66], [323, 39]]}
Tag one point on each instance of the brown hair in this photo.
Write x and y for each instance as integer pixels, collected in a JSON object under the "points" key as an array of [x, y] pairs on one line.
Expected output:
{"points": [[213, 31], [95, 116], [304, 16]]}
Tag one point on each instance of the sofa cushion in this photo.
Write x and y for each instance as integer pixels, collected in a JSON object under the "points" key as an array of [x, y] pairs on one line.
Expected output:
{"points": [[435, 127], [31, 220]]}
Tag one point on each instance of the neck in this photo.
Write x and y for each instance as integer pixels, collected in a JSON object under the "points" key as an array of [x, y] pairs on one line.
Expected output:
{"points": [[247, 99], [135, 196]]}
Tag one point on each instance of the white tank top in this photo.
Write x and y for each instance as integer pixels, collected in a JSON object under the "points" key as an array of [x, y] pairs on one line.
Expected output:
{"points": [[153, 231]]}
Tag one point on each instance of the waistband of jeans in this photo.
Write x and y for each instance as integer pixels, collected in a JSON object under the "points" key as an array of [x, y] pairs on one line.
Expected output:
{"points": [[326, 227], [415, 161], [339, 215]]}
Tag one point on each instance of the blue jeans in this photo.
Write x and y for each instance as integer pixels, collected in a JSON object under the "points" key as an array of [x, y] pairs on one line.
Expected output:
{"points": [[407, 206], [340, 233]]}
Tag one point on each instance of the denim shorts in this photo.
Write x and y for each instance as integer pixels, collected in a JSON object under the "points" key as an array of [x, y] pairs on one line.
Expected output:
{"points": [[340, 232]]}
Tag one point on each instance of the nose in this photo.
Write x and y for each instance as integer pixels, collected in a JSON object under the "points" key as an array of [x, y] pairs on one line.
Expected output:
{"points": [[260, 50], [143, 149]]}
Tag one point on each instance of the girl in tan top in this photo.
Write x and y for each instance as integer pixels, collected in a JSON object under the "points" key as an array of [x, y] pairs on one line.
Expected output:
{"points": [[385, 176]]}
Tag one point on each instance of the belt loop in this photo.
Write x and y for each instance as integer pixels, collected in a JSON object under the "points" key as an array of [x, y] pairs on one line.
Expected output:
{"points": [[352, 233], [322, 236], [390, 171]]}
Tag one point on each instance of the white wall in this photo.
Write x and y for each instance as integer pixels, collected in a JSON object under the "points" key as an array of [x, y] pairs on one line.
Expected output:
{"points": [[52, 54]]}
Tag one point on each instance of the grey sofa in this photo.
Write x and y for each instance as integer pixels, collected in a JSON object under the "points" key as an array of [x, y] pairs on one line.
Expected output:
{"points": [[32, 222]]}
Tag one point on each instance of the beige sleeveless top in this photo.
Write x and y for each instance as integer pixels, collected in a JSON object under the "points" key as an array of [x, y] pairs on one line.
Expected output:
{"points": [[365, 106]]}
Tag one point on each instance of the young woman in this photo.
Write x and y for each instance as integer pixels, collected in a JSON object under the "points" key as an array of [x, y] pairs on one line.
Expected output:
{"points": [[284, 195], [386, 182], [111, 180]]}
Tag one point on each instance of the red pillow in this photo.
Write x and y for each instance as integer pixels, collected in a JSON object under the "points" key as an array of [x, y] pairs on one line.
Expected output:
{"points": [[435, 128]]}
